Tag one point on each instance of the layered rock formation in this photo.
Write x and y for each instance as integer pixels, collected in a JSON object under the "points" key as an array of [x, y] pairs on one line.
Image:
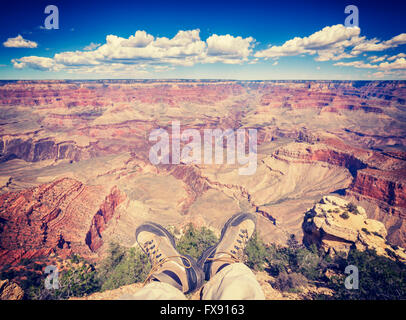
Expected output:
{"points": [[61, 217], [388, 187], [10, 291], [75, 172], [335, 225]]}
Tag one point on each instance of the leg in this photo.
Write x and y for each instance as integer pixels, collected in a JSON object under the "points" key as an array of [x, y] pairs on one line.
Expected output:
{"points": [[156, 290], [234, 282]]}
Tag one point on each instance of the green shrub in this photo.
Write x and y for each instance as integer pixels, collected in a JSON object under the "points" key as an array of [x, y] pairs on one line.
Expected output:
{"points": [[256, 253], [31, 279], [293, 266], [290, 282], [75, 258], [115, 255], [292, 243], [344, 215], [308, 264], [126, 266], [123, 267], [351, 207], [77, 281], [195, 241], [380, 278], [278, 260]]}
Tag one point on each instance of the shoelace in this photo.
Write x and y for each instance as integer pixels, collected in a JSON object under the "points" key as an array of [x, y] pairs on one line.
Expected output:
{"points": [[236, 255], [157, 259]]}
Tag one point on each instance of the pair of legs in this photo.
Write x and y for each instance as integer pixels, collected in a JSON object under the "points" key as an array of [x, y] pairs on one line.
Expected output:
{"points": [[173, 275]]}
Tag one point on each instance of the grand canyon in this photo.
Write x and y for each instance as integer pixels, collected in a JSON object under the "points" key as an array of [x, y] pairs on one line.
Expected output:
{"points": [[75, 173]]}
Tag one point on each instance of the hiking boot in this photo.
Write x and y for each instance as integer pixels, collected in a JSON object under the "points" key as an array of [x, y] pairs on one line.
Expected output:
{"points": [[168, 265], [230, 249]]}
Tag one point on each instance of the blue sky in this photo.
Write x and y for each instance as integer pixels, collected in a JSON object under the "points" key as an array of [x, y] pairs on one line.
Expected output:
{"points": [[203, 39]]}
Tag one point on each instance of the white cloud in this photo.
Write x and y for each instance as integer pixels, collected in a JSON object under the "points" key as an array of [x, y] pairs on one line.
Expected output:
{"points": [[399, 55], [395, 74], [140, 40], [142, 52], [91, 46], [142, 49], [369, 45], [379, 74], [356, 64], [228, 49], [19, 42], [332, 44], [398, 64], [38, 63], [377, 45], [397, 40], [375, 59], [328, 43]]}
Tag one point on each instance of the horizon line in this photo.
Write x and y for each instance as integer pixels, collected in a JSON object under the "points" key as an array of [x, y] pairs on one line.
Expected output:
{"points": [[204, 79]]}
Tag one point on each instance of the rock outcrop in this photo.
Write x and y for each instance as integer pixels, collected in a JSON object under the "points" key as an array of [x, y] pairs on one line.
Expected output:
{"points": [[335, 225], [10, 291], [106, 212], [389, 187], [61, 217]]}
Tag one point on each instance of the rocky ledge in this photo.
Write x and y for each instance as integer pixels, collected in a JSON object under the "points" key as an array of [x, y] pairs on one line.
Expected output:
{"points": [[335, 225]]}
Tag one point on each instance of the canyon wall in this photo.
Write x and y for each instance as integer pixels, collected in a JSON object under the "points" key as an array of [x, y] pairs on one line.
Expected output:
{"points": [[75, 172]]}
